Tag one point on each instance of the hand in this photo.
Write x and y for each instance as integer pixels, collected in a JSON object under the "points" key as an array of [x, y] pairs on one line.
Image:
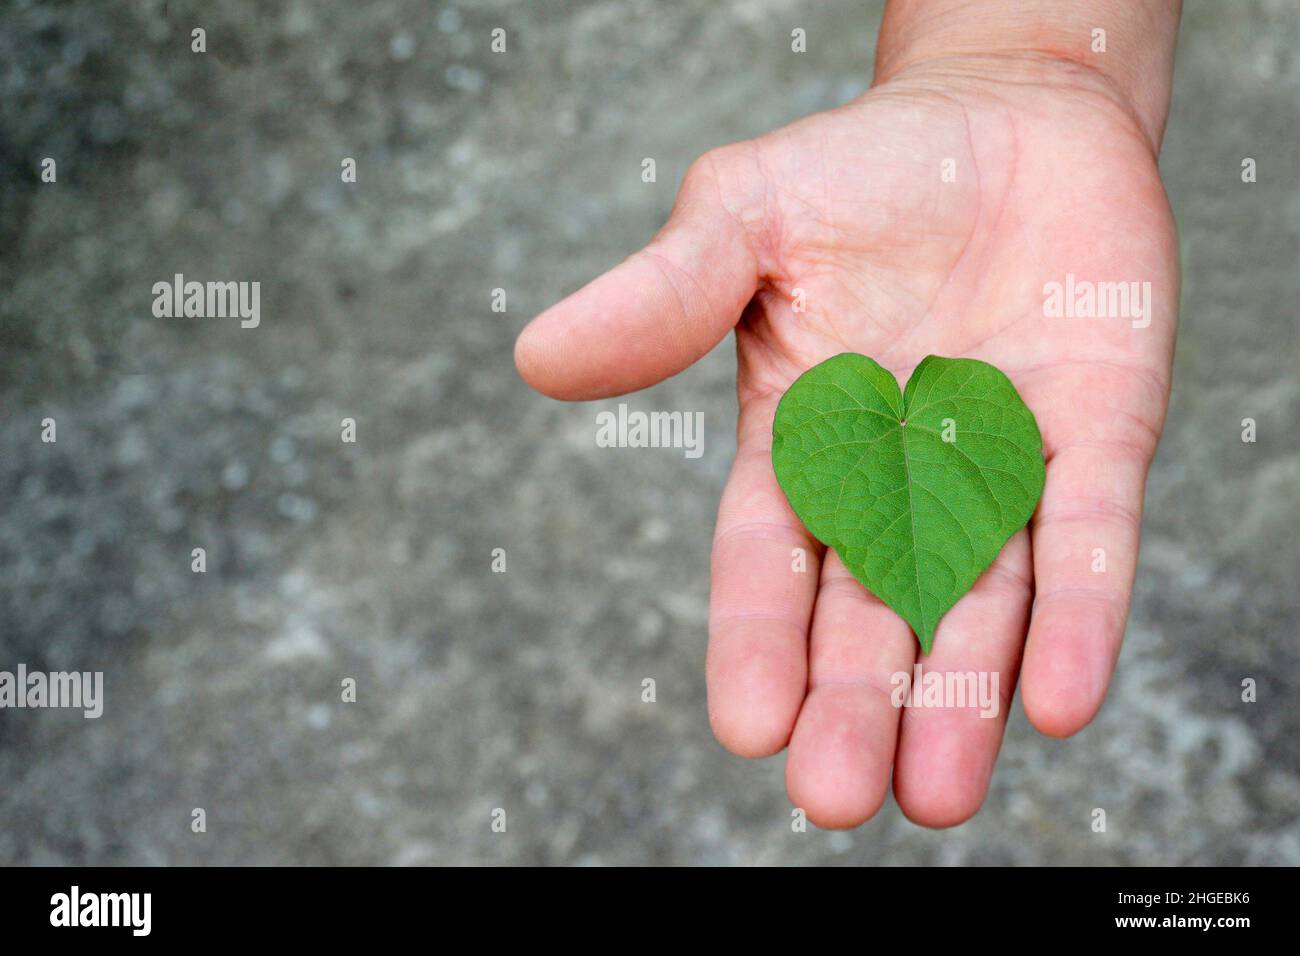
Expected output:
{"points": [[1054, 175]]}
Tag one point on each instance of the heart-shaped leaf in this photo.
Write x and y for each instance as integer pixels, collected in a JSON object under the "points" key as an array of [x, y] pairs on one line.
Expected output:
{"points": [[917, 492]]}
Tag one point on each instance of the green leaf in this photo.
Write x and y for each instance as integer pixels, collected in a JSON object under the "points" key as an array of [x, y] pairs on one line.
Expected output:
{"points": [[917, 492]]}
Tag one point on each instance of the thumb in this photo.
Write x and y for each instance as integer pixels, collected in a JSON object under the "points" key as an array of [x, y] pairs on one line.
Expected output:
{"points": [[657, 312]]}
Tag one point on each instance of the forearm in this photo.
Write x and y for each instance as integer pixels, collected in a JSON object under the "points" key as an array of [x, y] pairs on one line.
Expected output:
{"points": [[1136, 66]]}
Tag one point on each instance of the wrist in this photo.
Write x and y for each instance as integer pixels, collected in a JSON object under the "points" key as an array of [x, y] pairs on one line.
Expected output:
{"points": [[1048, 42]]}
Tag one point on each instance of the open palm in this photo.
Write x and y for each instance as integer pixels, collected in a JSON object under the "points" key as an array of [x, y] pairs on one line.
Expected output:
{"points": [[924, 218]]}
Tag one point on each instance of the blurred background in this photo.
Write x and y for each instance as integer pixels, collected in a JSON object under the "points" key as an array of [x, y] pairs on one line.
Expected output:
{"points": [[372, 560]]}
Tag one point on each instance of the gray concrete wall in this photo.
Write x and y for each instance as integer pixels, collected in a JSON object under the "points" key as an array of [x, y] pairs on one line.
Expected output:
{"points": [[371, 561]]}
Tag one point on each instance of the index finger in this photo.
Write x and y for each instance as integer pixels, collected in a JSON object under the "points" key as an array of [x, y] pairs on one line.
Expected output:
{"points": [[765, 573]]}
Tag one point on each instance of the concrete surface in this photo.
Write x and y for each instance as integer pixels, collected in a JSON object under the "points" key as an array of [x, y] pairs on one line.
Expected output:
{"points": [[372, 561]]}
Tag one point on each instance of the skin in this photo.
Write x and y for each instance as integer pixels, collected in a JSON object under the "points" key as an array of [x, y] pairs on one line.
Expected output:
{"points": [[1055, 174]]}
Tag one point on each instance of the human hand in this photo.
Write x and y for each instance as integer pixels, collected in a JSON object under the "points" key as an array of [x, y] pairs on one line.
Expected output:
{"points": [[850, 210]]}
